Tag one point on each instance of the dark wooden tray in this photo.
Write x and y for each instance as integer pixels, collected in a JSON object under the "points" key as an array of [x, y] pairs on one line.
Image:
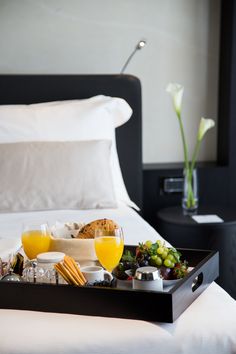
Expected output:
{"points": [[115, 302]]}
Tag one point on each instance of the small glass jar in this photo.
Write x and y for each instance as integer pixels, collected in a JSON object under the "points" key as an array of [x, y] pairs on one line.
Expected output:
{"points": [[42, 270]]}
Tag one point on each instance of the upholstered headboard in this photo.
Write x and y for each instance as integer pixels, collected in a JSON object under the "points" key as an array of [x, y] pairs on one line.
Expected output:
{"points": [[26, 89]]}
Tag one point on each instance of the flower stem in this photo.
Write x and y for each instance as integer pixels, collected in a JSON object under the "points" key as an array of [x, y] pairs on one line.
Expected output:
{"points": [[188, 189], [189, 177], [184, 141]]}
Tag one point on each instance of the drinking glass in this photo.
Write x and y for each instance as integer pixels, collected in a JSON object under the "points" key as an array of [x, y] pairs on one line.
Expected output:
{"points": [[109, 246], [36, 238]]}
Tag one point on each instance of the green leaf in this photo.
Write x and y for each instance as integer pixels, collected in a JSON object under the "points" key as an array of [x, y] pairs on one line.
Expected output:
{"points": [[128, 257], [153, 249]]}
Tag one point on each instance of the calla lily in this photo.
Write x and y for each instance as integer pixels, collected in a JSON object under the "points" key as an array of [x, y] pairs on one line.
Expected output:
{"points": [[204, 125], [176, 91]]}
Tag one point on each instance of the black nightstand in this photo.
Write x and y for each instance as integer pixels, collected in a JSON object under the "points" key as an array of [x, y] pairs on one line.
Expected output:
{"points": [[183, 231]]}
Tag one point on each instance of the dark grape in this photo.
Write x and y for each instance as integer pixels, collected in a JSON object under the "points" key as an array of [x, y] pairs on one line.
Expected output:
{"points": [[134, 267], [119, 271], [147, 257], [105, 283], [144, 263], [166, 273], [126, 265]]}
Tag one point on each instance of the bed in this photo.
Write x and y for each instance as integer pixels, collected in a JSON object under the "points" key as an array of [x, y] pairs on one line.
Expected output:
{"points": [[207, 326]]}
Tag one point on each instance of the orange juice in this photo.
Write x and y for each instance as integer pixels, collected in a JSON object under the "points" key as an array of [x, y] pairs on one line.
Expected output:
{"points": [[109, 250], [35, 242]]}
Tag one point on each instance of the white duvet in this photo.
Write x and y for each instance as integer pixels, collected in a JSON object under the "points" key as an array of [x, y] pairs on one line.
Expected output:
{"points": [[207, 326]]}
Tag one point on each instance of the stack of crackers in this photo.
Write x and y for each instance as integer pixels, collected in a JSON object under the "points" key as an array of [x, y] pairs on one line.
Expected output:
{"points": [[70, 271]]}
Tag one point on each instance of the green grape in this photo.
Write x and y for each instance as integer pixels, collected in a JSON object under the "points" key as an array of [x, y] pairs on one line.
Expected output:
{"points": [[171, 265], [160, 250], [171, 258], [167, 263], [158, 261], [159, 243], [148, 244], [155, 260], [164, 255]]}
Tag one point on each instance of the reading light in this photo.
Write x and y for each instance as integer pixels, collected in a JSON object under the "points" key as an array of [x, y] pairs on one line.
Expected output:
{"points": [[139, 46]]}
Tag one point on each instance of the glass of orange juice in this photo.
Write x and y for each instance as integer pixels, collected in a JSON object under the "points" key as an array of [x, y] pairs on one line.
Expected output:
{"points": [[109, 246], [36, 238]]}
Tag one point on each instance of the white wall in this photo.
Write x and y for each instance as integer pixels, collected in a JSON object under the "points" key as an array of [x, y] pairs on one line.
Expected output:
{"points": [[79, 36]]}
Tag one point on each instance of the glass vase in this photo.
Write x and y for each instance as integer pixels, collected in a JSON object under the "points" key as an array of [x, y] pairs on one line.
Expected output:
{"points": [[190, 192]]}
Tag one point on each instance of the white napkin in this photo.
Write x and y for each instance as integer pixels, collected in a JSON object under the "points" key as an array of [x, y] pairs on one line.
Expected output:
{"points": [[66, 230], [9, 247], [201, 219]]}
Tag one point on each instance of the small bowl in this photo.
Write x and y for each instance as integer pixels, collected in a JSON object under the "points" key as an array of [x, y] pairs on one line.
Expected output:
{"points": [[172, 282]]}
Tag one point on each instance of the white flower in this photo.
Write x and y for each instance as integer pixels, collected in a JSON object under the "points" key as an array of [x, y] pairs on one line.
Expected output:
{"points": [[204, 125], [176, 91]]}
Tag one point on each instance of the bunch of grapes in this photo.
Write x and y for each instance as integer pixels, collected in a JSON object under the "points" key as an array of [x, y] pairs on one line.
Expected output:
{"points": [[160, 254], [156, 254], [165, 258]]}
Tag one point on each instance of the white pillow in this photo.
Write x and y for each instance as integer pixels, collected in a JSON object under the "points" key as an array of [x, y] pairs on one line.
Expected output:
{"points": [[56, 175], [74, 120]]}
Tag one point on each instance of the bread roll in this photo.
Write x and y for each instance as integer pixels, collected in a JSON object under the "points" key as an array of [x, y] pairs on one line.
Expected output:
{"points": [[88, 231]]}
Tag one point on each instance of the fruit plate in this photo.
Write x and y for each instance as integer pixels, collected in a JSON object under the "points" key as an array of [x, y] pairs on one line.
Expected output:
{"points": [[172, 282], [164, 306]]}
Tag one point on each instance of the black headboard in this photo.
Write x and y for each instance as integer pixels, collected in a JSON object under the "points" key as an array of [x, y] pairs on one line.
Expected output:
{"points": [[26, 89]]}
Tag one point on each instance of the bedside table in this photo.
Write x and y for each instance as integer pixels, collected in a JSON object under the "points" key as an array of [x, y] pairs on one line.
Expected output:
{"points": [[182, 231]]}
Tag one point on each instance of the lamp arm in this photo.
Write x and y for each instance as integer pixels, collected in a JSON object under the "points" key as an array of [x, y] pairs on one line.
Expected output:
{"points": [[128, 60]]}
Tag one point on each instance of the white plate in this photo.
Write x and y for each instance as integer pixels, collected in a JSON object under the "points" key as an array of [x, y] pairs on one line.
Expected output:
{"points": [[174, 281], [128, 272]]}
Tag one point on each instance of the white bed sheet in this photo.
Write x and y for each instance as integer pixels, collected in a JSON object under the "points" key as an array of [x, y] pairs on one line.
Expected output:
{"points": [[207, 326]]}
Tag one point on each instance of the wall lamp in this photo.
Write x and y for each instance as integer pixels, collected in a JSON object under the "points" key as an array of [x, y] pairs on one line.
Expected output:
{"points": [[139, 46]]}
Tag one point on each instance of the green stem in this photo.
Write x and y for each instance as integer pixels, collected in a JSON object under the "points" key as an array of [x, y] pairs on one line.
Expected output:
{"points": [[190, 197], [189, 176], [184, 141], [190, 202], [196, 149], [188, 167]]}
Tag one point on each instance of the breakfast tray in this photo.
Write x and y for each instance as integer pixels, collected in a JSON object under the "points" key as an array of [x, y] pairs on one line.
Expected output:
{"points": [[117, 302]]}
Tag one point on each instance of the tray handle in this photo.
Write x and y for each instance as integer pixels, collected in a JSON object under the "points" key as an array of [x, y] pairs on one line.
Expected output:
{"points": [[197, 281]]}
